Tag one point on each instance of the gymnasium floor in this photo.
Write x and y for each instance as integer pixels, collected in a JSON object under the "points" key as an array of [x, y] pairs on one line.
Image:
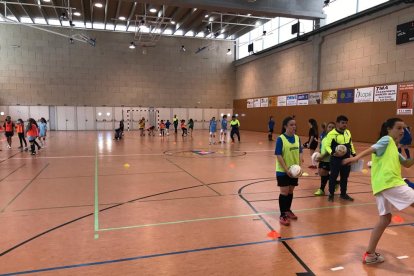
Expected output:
{"points": [[89, 205]]}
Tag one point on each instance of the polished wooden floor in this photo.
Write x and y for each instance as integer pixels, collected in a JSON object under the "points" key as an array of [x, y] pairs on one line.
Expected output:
{"points": [[89, 205]]}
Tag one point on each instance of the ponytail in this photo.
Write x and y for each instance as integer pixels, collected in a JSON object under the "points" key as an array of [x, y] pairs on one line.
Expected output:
{"points": [[388, 124]]}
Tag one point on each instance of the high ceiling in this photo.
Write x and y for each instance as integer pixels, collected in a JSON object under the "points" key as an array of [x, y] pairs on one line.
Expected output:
{"points": [[202, 18]]}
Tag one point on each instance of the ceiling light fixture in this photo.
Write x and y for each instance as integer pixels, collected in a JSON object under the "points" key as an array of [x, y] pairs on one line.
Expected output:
{"points": [[132, 45], [47, 1], [173, 22], [223, 30], [77, 14], [229, 52], [249, 14], [153, 10], [98, 5], [122, 18], [205, 16]]}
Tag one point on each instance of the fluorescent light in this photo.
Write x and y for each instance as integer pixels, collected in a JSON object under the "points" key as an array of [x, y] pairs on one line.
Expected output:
{"points": [[122, 18], [153, 10], [211, 19], [108, 114], [99, 114], [223, 30], [205, 16], [2, 113], [249, 14], [77, 14], [173, 22], [98, 5]]}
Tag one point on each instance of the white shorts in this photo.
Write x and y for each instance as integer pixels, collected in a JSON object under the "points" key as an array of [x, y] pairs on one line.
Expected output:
{"points": [[212, 133], [223, 131], [400, 197]]}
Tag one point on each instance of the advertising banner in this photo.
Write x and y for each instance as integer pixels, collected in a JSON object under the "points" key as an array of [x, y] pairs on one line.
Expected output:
{"points": [[405, 99], [315, 98], [291, 100], [281, 101], [264, 102], [385, 93], [256, 103], [329, 97], [364, 95], [249, 103], [345, 96], [303, 99]]}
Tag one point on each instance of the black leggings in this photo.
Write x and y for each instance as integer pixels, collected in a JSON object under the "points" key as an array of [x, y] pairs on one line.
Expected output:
{"points": [[338, 169], [235, 131], [22, 139]]}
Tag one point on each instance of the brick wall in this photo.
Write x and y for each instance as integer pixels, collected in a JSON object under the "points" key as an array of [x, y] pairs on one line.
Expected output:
{"points": [[47, 70]]}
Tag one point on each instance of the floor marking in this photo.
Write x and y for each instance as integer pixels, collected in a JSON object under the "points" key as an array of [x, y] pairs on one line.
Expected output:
{"points": [[91, 156], [25, 187], [337, 268], [96, 209], [190, 251], [402, 257], [12, 172]]}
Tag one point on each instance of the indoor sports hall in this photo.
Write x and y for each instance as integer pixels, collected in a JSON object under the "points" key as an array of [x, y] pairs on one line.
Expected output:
{"points": [[206, 137]]}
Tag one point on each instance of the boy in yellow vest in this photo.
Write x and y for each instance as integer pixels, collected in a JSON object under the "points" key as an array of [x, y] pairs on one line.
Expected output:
{"points": [[387, 184]]}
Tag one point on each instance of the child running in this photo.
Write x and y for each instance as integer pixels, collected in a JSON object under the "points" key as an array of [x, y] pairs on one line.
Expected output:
{"points": [[8, 130], [167, 127], [32, 133], [191, 126], [223, 130], [162, 128], [324, 163], [42, 131], [20, 133], [183, 128], [288, 152], [213, 130], [387, 184]]}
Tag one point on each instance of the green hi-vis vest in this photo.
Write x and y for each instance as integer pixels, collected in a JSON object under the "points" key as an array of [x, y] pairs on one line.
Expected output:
{"points": [[327, 157], [290, 153], [386, 169]]}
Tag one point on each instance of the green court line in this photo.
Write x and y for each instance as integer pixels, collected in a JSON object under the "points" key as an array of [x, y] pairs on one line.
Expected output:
{"points": [[96, 211], [230, 217]]}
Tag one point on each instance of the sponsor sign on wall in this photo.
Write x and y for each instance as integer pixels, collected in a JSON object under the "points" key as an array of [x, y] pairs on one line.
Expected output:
{"points": [[291, 100], [281, 101], [315, 98], [329, 97], [303, 99], [346, 96], [256, 103], [405, 99], [272, 101], [385, 93], [264, 102], [249, 103], [364, 95]]}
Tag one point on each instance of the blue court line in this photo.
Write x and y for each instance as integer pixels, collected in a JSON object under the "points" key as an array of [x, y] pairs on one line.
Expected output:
{"points": [[193, 250]]}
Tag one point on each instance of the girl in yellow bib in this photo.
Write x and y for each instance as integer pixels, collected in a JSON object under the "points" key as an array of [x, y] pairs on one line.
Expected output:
{"points": [[288, 152], [387, 184]]}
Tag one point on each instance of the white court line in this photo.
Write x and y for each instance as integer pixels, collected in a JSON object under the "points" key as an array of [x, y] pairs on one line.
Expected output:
{"points": [[337, 268], [402, 257], [91, 156]]}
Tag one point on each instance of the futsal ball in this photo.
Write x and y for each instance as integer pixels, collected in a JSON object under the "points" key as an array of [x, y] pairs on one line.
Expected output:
{"points": [[315, 156], [295, 170], [369, 163], [341, 150]]}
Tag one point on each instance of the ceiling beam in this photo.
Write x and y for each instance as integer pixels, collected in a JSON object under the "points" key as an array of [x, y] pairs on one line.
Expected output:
{"points": [[91, 7], [57, 14], [234, 26], [184, 20], [117, 13], [83, 13], [11, 11], [302, 9], [131, 14], [31, 18], [106, 13]]}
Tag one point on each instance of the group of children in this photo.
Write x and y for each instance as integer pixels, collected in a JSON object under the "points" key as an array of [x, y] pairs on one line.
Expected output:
{"points": [[388, 186], [32, 131], [188, 128]]}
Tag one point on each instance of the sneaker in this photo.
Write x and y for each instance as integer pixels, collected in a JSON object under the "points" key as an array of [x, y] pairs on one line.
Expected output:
{"points": [[373, 258], [319, 192], [20, 147], [34, 153], [26, 149], [346, 197], [291, 215], [331, 198], [8, 146], [284, 220]]}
